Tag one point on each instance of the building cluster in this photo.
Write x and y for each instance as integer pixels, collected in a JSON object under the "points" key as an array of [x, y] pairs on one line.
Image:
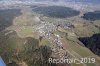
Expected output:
{"points": [[46, 30], [67, 25]]}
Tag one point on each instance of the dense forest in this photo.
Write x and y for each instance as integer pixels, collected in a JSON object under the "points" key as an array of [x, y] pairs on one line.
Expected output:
{"points": [[92, 16], [15, 50], [7, 16], [93, 43], [56, 11]]}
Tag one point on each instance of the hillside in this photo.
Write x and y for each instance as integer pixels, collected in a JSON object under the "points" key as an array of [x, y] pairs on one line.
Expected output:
{"points": [[92, 43], [31, 35]]}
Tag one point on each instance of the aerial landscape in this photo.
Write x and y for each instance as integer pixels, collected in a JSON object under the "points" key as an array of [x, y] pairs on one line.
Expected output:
{"points": [[49, 32]]}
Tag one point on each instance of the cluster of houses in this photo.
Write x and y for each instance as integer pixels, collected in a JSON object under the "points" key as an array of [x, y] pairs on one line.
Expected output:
{"points": [[57, 41], [67, 25], [46, 30]]}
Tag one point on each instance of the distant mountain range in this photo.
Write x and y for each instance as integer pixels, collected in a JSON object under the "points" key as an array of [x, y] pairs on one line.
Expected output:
{"points": [[57, 0], [86, 1], [81, 1], [68, 0], [77, 4]]}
